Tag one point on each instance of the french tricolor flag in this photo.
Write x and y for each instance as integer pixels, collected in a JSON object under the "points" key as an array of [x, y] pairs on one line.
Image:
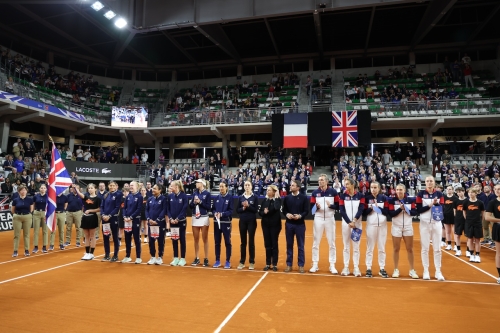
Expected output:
{"points": [[295, 130]]}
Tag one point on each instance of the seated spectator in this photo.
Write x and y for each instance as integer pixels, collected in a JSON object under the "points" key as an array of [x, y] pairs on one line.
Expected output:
{"points": [[369, 92], [328, 81], [9, 85]]}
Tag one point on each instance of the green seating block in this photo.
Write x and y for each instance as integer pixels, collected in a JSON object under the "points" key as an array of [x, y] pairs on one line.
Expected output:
{"points": [[457, 111], [355, 101]]}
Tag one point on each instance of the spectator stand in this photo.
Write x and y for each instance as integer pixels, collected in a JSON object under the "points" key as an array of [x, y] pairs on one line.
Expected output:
{"points": [[473, 100], [321, 92], [73, 92]]}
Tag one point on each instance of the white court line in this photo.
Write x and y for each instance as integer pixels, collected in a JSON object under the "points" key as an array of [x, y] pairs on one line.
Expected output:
{"points": [[41, 254], [231, 314], [323, 275], [43, 271], [479, 269]]}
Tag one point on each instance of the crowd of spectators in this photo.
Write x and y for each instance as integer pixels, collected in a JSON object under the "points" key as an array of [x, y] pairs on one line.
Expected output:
{"points": [[200, 97], [394, 93], [34, 72], [366, 168]]}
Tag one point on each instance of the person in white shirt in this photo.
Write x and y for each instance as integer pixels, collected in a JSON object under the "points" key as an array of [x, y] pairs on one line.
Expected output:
{"points": [[87, 155], [144, 158], [79, 154], [69, 154]]}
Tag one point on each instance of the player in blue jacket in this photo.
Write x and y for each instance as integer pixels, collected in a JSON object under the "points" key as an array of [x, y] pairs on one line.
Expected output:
{"points": [[156, 210], [110, 206], [223, 212], [176, 210], [132, 222]]}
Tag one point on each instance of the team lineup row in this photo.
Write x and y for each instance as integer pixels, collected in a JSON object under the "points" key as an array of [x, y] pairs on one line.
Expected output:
{"points": [[130, 210]]}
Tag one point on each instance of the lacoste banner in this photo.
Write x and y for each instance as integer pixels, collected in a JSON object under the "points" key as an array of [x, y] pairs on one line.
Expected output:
{"points": [[5, 215], [86, 170]]}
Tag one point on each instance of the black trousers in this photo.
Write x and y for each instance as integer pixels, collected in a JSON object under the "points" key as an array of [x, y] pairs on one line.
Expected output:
{"points": [[247, 227], [271, 235]]}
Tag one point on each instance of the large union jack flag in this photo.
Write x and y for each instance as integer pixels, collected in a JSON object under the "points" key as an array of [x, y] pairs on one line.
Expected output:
{"points": [[59, 181], [344, 129]]}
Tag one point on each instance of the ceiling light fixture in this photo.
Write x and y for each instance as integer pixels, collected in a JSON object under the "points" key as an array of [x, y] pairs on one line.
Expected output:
{"points": [[120, 23], [109, 14], [97, 6]]}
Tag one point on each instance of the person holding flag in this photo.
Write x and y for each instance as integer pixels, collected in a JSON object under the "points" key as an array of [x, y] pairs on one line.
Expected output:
{"points": [[58, 182], [352, 205], [200, 205], [110, 206], [428, 201], [132, 222], [39, 207], [91, 205], [156, 211]]}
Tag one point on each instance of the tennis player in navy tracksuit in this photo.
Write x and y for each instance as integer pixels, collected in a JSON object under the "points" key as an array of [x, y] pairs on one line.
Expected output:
{"points": [[176, 211], [156, 209], [132, 214], [223, 211], [110, 205]]}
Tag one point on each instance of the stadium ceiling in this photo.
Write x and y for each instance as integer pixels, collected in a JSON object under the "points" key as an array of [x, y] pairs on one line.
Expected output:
{"points": [[204, 34]]}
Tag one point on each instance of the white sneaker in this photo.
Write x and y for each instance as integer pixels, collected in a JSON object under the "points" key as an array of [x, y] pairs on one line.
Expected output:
{"points": [[356, 271], [314, 269], [175, 262], [182, 262], [333, 270], [467, 254], [448, 247], [345, 271], [426, 276], [168, 234], [90, 256], [152, 261], [85, 256], [145, 239], [159, 261], [413, 274], [395, 274], [439, 276], [498, 281], [126, 259], [138, 260], [443, 244], [478, 258], [454, 247], [458, 253], [472, 258]]}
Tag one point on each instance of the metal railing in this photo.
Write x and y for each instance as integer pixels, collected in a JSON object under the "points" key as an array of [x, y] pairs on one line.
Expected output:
{"points": [[448, 107]]}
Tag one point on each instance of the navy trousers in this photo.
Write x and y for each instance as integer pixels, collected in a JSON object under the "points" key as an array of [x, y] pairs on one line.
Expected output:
{"points": [[160, 239], [113, 223], [299, 232], [136, 232], [182, 239], [218, 233]]}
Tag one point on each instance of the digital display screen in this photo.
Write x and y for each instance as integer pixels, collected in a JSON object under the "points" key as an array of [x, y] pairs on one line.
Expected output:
{"points": [[129, 116]]}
